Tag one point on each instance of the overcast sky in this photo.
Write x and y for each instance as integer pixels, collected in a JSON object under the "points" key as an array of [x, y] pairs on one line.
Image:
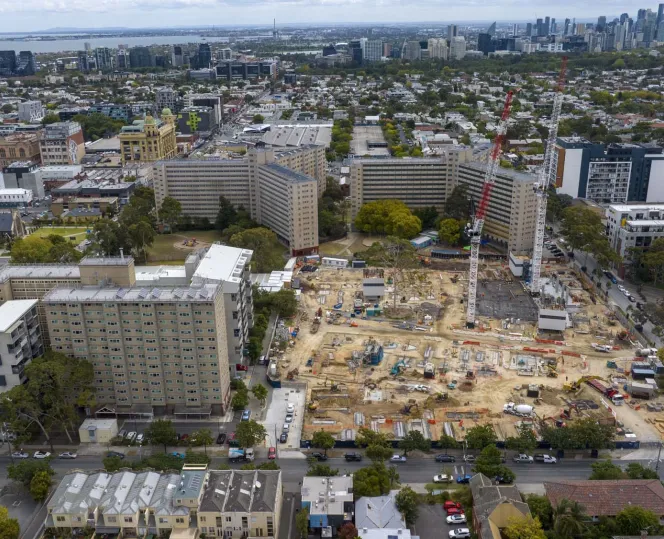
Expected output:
{"points": [[27, 15]]}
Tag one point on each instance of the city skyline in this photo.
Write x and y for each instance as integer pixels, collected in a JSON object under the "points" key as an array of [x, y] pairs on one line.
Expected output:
{"points": [[22, 17]]}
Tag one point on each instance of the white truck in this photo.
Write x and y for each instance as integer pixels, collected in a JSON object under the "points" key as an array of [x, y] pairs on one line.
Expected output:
{"points": [[520, 410], [240, 455]]}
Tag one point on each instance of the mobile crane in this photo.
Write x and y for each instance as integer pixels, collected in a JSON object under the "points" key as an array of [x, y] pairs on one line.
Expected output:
{"points": [[474, 229], [544, 181]]}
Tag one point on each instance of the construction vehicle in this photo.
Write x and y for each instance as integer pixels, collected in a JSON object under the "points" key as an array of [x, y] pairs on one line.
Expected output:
{"points": [[429, 370], [452, 384], [547, 172], [551, 371], [315, 325], [440, 397], [409, 407], [474, 230], [470, 375], [292, 374], [613, 394], [399, 366], [236, 454]]}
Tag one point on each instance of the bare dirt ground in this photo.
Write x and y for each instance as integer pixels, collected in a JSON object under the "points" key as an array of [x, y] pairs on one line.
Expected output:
{"points": [[393, 395]]}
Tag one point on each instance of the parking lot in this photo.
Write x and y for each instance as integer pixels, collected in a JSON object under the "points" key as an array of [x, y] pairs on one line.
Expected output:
{"points": [[276, 417], [431, 523]]}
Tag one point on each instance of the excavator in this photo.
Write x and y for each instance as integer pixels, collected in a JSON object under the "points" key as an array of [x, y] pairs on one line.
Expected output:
{"points": [[408, 407], [399, 366]]}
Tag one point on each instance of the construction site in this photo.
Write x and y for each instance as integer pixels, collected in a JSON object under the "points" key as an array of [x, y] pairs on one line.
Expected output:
{"points": [[426, 370], [457, 344]]}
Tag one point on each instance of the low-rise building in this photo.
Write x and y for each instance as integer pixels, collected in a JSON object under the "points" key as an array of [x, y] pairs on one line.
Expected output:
{"points": [[20, 340], [30, 112], [20, 147], [15, 198], [65, 205], [62, 143], [148, 140], [329, 501], [98, 431], [24, 175]]}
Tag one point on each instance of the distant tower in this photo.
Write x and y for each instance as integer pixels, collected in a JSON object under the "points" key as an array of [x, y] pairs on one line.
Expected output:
{"points": [[274, 29]]}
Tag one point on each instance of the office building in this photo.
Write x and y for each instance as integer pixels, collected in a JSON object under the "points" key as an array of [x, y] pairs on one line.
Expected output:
{"points": [[329, 50], [213, 101], [355, 51], [141, 57], [614, 173], [197, 502], [437, 48], [20, 147], [24, 175], [458, 48], [164, 348], [510, 218], [224, 54], [290, 78], [177, 57], [27, 66], [204, 56], [237, 70], [452, 31], [229, 267], [122, 59], [166, 98], [373, 50], [148, 140], [20, 341], [62, 143], [7, 63], [31, 112], [529, 29], [104, 59], [418, 183], [195, 120], [412, 51], [283, 197], [485, 44], [116, 111]]}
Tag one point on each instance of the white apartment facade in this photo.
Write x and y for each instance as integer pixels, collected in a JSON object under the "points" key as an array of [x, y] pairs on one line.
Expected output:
{"points": [[20, 341], [30, 112], [634, 226]]}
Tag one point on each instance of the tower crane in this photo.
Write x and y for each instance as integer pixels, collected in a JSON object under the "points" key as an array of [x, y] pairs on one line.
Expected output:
{"points": [[474, 230], [544, 180]]}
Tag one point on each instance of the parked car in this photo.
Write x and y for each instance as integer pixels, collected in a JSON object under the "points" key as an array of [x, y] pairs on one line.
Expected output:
{"points": [[177, 455], [461, 479], [353, 457], [290, 408], [469, 458], [67, 455], [272, 453], [318, 456], [283, 438], [246, 415], [450, 503], [398, 458], [289, 418], [442, 478], [445, 458], [456, 519], [131, 436], [41, 455], [454, 511], [140, 438], [460, 533], [550, 460], [221, 438], [523, 458], [502, 480], [20, 455], [115, 454], [184, 438], [122, 433]]}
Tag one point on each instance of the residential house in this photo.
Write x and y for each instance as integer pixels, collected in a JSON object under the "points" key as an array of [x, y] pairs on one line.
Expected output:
{"points": [[378, 518], [329, 501], [494, 506], [608, 498]]}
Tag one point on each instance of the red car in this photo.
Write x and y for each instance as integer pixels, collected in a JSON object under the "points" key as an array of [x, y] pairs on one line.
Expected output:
{"points": [[184, 437], [239, 367], [272, 453], [454, 511], [450, 503]]}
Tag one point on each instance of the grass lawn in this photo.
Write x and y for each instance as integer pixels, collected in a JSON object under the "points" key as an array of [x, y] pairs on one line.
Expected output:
{"points": [[163, 250], [79, 232]]}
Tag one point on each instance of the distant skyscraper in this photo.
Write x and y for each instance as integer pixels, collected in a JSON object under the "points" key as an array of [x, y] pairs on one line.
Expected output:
{"points": [[437, 48], [373, 50], [566, 30], [387, 50], [204, 56], [457, 48], [601, 23], [177, 58], [355, 50], [547, 25], [83, 64], [540, 27], [624, 17], [660, 14], [104, 58], [26, 63], [492, 30], [140, 57], [515, 29], [7, 62], [452, 31], [485, 44], [87, 46], [554, 27], [529, 29], [412, 50]]}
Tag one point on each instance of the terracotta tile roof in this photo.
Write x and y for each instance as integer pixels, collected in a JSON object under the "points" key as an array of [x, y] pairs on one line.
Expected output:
{"points": [[607, 498]]}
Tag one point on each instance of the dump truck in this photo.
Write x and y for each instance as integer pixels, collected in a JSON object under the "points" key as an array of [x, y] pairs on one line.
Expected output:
{"points": [[614, 395], [429, 371], [235, 454]]}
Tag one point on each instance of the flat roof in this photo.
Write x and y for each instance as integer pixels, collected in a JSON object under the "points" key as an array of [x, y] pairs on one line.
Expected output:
{"points": [[110, 261], [290, 174], [205, 293], [11, 311], [41, 271], [635, 207], [222, 263], [646, 222]]}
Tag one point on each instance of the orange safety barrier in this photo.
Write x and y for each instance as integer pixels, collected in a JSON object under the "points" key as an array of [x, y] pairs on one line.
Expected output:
{"points": [[573, 354], [471, 343]]}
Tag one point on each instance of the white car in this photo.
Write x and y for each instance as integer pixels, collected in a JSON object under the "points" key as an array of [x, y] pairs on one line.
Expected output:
{"points": [[442, 478], [67, 455], [621, 288], [460, 533], [523, 458], [20, 455], [290, 408], [398, 458], [131, 436], [41, 455], [456, 519], [549, 459], [140, 438]]}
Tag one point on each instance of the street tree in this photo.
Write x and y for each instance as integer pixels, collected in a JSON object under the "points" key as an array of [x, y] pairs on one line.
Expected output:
{"points": [[366, 437], [112, 464], [581, 226], [322, 440], [636, 470], [162, 432], [489, 463], [240, 400], [378, 453], [302, 522], [653, 259], [260, 392], [524, 442], [170, 211], [371, 480], [414, 440], [249, 433], [9, 528], [447, 442], [317, 469], [203, 437], [393, 476], [525, 527], [40, 484], [407, 502], [449, 231], [632, 520], [605, 469], [480, 436], [24, 471], [540, 507]]}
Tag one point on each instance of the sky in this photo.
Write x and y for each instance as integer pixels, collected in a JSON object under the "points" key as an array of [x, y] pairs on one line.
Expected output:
{"points": [[35, 15]]}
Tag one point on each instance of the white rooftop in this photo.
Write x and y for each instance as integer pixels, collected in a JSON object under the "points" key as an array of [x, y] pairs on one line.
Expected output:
{"points": [[164, 275], [222, 264], [39, 271], [11, 311], [15, 191], [205, 293], [635, 207]]}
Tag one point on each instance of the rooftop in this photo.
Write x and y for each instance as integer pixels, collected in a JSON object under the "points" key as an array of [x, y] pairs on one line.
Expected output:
{"points": [[192, 482], [500, 171], [39, 271], [636, 207], [290, 174], [378, 512], [205, 294], [326, 495], [11, 311], [111, 261], [222, 263]]}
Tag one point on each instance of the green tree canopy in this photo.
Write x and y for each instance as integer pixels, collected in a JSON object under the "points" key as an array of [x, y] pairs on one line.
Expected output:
{"points": [[414, 440], [268, 252], [9, 528], [480, 436], [44, 250], [390, 217], [322, 440], [447, 442], [540, 507], [26, 470], [457, 205], [260, 392], [170, 211], [97, 125], [249, 433], [40, 484], [605, 469], [162, 432], [449, 231], [525, 442], [226, 215], [371, 480], [632, 520], [407, 502], [318, 469], [523, 528]]}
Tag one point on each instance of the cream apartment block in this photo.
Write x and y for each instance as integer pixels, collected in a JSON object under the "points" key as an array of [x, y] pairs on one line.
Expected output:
{"points": [[276, 187], [511, 215], [418, 182], [232, 504], [161, 349]]}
